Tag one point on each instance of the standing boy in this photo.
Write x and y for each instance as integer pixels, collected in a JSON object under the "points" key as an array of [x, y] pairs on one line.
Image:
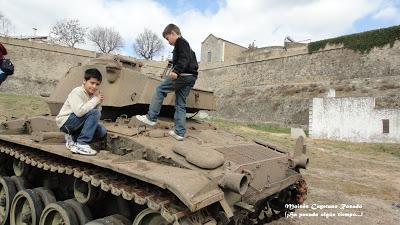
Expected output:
{"points": [[79, 117], [180, 80]]}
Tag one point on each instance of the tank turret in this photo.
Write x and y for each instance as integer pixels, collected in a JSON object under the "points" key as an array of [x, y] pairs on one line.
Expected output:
{"points": [[128, 91]]}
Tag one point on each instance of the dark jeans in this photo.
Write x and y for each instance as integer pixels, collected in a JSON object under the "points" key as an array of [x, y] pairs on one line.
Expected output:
{"points": [[3, 76], [181, 87], [84, 129]]}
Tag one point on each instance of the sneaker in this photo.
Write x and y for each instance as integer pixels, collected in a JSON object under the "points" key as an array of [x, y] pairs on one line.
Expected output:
{"points": [[174, 135], [69, 142], [145, 120], [83, 149]]}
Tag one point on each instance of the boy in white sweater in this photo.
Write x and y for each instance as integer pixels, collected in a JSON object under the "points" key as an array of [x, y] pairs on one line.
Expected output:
{"points": [[79, 117]]}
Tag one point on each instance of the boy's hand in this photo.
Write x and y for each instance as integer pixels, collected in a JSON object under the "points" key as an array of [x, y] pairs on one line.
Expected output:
{"points": [[100, 96], [173, 75]]}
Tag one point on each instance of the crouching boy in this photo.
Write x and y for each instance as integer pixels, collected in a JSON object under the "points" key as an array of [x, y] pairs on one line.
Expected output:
{"points": [[79, 117]]}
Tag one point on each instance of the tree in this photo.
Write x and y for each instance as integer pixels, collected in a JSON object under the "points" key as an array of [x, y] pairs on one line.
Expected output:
{"points": [[106, 39], [5, 25], [69, 32], [148, 44]]}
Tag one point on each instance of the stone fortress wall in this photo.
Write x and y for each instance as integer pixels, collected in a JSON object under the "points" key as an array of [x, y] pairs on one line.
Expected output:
{"points": [[265, 85], [277, 86]]}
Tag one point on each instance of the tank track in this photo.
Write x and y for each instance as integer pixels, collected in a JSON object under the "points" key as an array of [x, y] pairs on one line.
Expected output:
{"points": [[128, 188]]}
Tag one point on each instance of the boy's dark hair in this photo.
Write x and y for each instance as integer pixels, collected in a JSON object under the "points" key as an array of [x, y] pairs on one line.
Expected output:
{"points": [[169, 28], [93, 73]]}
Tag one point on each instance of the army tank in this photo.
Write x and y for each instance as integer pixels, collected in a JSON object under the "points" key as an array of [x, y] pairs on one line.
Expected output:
{"points": [[141, 175]]}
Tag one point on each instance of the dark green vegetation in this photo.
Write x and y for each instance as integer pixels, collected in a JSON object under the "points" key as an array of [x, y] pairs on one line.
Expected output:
{"points": [[362, 42]]}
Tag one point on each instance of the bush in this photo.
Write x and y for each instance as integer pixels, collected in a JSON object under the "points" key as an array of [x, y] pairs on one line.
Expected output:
{"points": [[362, 42]]}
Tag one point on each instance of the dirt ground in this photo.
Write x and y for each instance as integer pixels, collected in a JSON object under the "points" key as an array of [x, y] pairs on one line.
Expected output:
{"points": [[338, 176], [364, 177]]}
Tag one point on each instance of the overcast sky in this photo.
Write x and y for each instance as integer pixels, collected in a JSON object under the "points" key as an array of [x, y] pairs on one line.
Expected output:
{"points": [[266, 22]]}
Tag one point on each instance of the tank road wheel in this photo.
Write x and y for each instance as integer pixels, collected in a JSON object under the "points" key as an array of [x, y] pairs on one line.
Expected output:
{"points": [[58, 213], [20, 168], [85, 193], [82, 211], [26, 208], [28, 205], [46, 195], [149, 217], [111, 220], [7, 193]]}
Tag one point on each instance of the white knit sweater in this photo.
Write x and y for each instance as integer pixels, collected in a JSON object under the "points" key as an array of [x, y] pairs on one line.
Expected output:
{"points": [[78, 102]]}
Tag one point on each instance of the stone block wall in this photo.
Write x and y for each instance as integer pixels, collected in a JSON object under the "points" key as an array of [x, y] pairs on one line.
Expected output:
{"points": [[279, 89], [39, 66]]}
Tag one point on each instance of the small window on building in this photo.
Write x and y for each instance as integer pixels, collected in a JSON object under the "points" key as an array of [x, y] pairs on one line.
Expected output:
{"points": [[209, 57], [385, 126]]}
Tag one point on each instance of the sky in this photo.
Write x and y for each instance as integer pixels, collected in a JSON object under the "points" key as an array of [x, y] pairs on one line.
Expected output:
{"points": [[264, 22]]}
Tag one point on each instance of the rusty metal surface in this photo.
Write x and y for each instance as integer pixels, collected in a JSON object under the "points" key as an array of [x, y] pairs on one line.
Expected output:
{"points": [[302, 191], [243, 154]]}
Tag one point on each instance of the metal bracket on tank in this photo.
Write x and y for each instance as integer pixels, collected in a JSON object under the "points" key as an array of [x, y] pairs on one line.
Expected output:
{"points": [[227, 209]]}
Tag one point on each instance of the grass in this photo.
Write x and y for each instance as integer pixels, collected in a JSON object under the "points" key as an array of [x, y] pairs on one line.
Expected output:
{"points": [[271, 133], [12, 105], [281, 137], [372, 149], [270, 128]]}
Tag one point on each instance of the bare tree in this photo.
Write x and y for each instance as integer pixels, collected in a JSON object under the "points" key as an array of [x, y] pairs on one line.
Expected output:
{"points": [[5, 25], [69, 32], [106, 39], [148, 44]]}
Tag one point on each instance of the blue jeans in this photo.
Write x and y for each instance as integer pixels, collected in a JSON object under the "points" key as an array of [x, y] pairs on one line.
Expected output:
{"points": [[84, 129], [181, 87]]}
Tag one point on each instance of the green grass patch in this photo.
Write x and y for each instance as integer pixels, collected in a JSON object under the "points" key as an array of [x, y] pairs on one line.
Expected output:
{"points": [[12, 105], [270, 128], [243, 129], [229, 125], [362, 42], [366, 148]]}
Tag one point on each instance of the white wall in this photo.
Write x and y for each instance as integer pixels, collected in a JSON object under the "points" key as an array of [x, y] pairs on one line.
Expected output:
{"points": [[352, 119]]}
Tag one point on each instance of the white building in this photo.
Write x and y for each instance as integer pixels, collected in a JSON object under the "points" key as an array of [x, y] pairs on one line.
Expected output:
{"points": [[353, 119]]}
